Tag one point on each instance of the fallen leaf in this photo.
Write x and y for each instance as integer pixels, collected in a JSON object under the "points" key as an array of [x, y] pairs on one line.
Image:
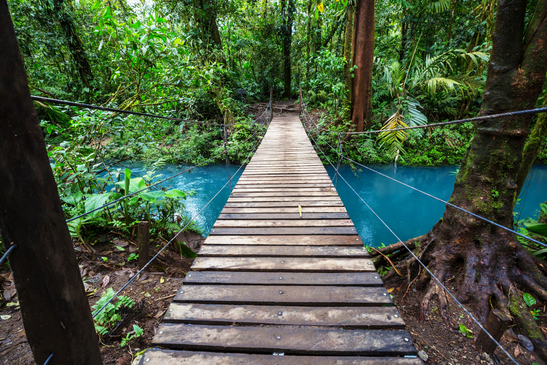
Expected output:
{"points": [[162, 280], [524, 341], [5, 317], [390, 290], [12, 304], [518, 351], [120, 248], [8, 294], [147, 295], [106, 280]]}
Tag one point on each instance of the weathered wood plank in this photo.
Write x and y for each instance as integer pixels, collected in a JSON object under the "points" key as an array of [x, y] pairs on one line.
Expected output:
{"points": [[171, 357], [293, 264], [286, 193], [284, 231], [305, 209], [287, 204], [346, 317], [277, 216], [246, 190], [284, 339], [286, 278], [283, 223], [318, 240], [273, 251]]}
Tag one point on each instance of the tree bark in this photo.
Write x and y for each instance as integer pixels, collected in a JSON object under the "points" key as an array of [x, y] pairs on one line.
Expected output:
{"points": [[54, 306], [287, 13], [451, 21], [74, 43], [364, 55], [489, 265], [348, 52], [531, 149]]}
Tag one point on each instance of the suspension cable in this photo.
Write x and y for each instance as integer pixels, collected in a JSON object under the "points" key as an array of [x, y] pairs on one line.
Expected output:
{"points": [[417, 259], [151, 186], [444, 201], [172, 239], [474, 119]]}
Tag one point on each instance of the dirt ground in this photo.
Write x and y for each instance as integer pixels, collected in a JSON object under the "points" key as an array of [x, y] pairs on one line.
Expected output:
{"points": [[444, 343], [152, 291]]}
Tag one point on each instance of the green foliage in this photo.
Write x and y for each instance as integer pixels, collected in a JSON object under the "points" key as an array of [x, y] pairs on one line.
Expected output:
{"points": [[110, 315], [530, 302], [137, 332]]}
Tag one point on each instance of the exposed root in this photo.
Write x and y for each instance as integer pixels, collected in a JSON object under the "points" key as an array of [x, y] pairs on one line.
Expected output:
{"points": [[482, 277]]}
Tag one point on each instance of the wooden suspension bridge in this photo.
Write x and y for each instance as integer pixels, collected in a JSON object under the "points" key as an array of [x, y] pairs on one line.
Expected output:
{"points": [[283, 277]]}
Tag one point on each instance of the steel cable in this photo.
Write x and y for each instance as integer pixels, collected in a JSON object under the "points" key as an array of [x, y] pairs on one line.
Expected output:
{"points": [[417, 259], [172, 239]]}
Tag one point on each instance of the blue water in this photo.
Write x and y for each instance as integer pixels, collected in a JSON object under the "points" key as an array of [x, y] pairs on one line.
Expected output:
{"points": [[409, 213]]}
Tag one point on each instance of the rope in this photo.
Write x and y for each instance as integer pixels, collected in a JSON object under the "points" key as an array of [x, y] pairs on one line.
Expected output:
{"points": [[172, 239], [159, 182], [89, 106], [485, 117], [417, 259], [444, 201], [5, 256], [149, 186], [49, 358]]}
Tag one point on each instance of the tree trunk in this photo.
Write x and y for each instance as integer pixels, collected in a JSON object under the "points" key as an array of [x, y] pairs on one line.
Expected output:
{"points": [[54, 306], [451, 21], [489, 265], [75, 45], [348, 52], [531, 149], [364, 55], [287, 12]]}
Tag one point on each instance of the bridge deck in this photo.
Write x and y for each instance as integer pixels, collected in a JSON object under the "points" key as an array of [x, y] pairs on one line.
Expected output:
{"points": [[268, 282]]}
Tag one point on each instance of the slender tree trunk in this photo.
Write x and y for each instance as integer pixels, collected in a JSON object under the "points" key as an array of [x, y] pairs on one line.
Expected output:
{"points": [[348, 52], [287, 11], [488, 262], [451, 21], [404, 36], [54, 306], [75, 45], [364, 55]]}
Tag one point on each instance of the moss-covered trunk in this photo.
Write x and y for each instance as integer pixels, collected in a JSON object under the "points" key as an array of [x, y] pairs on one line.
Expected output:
{"points": [[495, 267]]}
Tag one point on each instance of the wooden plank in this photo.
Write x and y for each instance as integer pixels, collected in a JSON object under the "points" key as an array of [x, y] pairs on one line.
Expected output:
{"points": [[274, 216], [323, 296], [282, 264], [285, 193], [310, 341], [280, 210], [286, 278], [276, 189], [302, 203], [272, 251], [285, 186], [346, 317], [171, 357], [317, 240], [283, 223], [284, 231]]}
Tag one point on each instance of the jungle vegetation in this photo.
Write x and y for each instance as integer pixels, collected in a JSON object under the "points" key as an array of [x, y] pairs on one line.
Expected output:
{"points": [[361, 65]]}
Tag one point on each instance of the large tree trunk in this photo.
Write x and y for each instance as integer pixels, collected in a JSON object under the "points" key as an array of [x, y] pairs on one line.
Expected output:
{"points": [[363, 55], [287, 12], [489, 265]]}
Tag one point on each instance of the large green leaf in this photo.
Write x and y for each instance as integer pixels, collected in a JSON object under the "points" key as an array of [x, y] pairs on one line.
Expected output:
{"points": [[96, 201], [537, 228], [135, 184], [528, 299], [152, 196], [175, 193]]}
